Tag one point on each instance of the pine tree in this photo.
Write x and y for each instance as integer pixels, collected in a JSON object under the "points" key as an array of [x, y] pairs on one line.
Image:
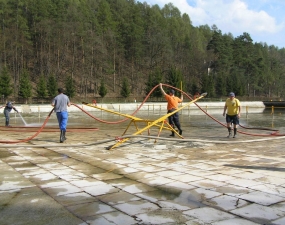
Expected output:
{"points": [[70, 87], [42, 88], [5, 83], [25, 89], [154, 79], [125, 91], [51, 86], [174, 77], [102, 89]]}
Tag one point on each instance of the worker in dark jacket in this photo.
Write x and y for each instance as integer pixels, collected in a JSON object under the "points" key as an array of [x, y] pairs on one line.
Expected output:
{"points": [[9, 106]]}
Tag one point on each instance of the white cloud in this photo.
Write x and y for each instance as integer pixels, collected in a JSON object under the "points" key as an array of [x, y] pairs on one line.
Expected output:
{"points": [[229, 15]]}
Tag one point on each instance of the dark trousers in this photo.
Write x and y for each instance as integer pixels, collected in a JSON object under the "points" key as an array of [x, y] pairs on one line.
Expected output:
{"points": [[174, 119]]}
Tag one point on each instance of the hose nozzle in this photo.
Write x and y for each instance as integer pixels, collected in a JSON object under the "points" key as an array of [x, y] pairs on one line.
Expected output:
{"points": [[204, 94]]}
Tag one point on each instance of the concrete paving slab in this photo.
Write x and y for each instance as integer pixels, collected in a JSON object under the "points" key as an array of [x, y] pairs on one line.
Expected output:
{"points": [[226, 203], [171, 205], [86, 182], [232, 190], [259, 213], [125, 185], [62, 190], [139, 175], [118, 198], [100, 189], [136, 207], [74, 198], [262, 198], [280, 221], [188, 178], [31, 205], [121, 182], [106, 176], [207, 193], [169, 173], [207, 183], [213, 215], [112, 218], [272, 180], [89, 209], [271, 189], [177, 185], [235, 221], [243, 182], [138, 188], [248, 175]]}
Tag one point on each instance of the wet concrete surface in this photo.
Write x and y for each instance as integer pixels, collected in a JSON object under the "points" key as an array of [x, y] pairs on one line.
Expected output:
{"points": [[209, 179]]}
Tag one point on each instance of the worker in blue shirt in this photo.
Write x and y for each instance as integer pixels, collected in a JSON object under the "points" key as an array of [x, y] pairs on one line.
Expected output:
{"points": [[8, 108]]}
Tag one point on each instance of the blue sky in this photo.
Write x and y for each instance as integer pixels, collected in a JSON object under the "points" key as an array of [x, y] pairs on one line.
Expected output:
{"points": [[264, 20]]}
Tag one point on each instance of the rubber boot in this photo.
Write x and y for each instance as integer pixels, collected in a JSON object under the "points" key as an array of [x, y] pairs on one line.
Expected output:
{"points": [[172, 134], [180, 132], [230, 132], [64, 138], [6, 123], [61, 139], [235, 132]]}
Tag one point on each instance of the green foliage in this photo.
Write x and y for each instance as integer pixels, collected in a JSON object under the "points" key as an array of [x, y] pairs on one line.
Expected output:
{"points": [[154, 79], [5, 83], [52, 86], [208, 85], [42, 87], [87, 39], [174, 77], [102, 89], [70, 87], [25, 89], [125, 90]]}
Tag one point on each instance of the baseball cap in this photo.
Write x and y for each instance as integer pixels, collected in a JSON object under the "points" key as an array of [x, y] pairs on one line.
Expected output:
{"points": [[231, 94], [171, 91]]}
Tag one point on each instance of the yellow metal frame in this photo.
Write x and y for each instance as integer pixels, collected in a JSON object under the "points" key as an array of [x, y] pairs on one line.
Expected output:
{"points": [[134, 120], [149, 123]]}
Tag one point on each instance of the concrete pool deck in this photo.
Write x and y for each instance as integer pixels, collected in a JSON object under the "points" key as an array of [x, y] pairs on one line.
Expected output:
{"points": [[218, 181]]}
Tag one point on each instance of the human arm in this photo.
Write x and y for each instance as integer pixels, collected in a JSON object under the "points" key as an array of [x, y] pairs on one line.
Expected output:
{"points": [[163, 92], [239, 111], [15, 110], [225, 109]]}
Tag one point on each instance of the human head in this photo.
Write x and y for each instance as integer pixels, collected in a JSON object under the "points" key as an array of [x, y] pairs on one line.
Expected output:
{"points": [[231, 94], [60, 90], [171, 92]]}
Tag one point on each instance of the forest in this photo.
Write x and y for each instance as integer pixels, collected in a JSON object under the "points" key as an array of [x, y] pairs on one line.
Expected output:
{"points": [[123, 48]]}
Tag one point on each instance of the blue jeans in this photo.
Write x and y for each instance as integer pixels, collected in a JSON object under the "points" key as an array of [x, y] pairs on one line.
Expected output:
{"points": [[62, 118], [7, 116]]}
